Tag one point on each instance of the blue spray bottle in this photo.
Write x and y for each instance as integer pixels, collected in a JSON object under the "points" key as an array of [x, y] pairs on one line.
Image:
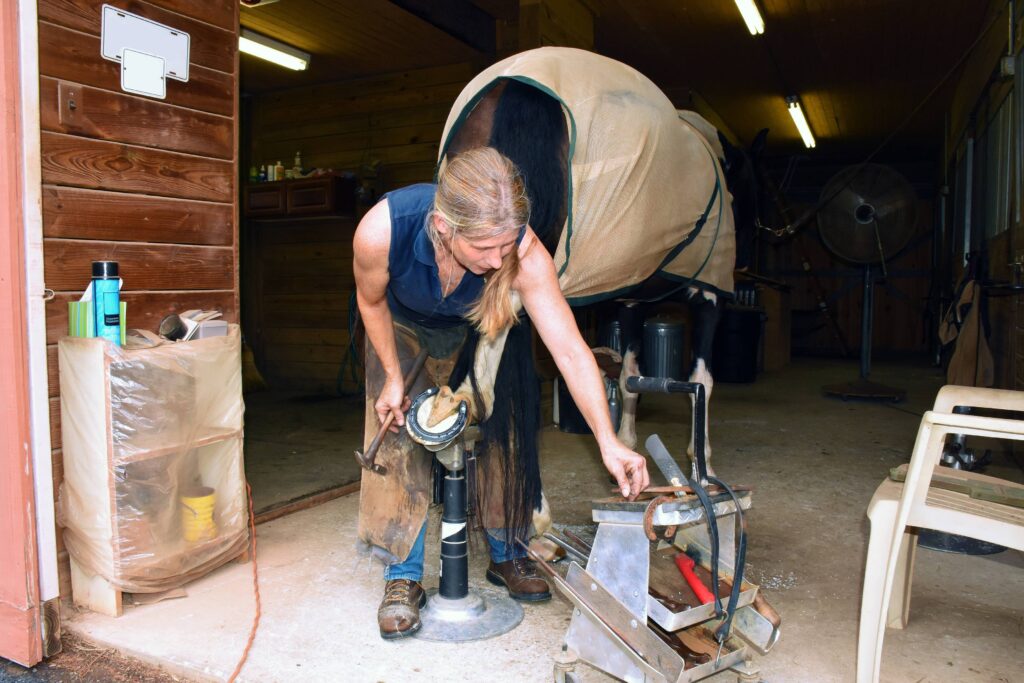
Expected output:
{"points": [[106, 300]]}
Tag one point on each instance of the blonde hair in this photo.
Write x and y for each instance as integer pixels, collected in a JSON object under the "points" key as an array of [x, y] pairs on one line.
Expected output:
{"points": [[480, 194]]}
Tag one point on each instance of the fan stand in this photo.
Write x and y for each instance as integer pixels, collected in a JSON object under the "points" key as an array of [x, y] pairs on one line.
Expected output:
{"points": [[863, 388]]}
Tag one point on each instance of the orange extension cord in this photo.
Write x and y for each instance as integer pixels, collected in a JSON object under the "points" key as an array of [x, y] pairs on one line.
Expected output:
{"points": [[255, 588]]}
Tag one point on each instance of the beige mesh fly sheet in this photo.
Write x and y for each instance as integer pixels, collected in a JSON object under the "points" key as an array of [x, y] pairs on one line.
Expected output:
{"points": [[647, 193]]}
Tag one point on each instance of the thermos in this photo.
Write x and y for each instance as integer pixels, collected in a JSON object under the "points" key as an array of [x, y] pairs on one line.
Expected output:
{"points": [[106, 300]]}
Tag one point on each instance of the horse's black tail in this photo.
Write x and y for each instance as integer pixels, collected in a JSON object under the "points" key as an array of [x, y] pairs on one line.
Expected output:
{"points": [[511, 432], [529, 128]]}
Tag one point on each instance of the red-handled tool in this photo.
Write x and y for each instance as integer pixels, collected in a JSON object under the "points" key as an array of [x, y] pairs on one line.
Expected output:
{"points": [[686, 565]]}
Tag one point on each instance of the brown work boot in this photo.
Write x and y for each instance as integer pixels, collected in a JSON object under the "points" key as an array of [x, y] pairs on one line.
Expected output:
{"points": [[521, 578], [399, 613]]}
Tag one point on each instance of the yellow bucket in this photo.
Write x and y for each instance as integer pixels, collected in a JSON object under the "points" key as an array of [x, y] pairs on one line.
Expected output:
{"points": [[197, 514]]}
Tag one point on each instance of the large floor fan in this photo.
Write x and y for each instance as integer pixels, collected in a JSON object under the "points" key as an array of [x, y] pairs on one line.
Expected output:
{"points": [[868, 215]]}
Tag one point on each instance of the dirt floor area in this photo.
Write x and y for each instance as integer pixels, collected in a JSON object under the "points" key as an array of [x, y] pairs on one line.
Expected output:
{"points": [[82, 662]]}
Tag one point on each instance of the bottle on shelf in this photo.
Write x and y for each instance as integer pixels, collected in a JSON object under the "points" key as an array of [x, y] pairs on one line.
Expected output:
{"points": [[254, 174], [263, 173], [279, 171], [297, 166], [106, 300]]}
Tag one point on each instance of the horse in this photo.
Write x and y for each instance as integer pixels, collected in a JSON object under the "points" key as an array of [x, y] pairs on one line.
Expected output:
{"points": [[627, 195]]}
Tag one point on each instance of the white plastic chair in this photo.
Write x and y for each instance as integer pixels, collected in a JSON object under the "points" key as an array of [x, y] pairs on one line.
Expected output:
{"points": [[897, 510]]}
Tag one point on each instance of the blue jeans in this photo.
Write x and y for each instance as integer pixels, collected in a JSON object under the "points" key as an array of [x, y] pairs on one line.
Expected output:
{"points": [[412, 567]]}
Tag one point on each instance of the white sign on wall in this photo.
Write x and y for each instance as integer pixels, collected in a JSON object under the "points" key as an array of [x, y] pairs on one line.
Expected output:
{"points": [[143, 74], [149, 52]]}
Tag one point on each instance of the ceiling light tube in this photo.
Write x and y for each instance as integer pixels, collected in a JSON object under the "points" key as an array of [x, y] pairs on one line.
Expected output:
{"points": [[800, 121], [751, 15], [272, 50]]}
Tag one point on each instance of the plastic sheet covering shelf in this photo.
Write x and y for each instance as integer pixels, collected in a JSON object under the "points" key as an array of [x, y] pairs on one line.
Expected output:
{"points": [[150, 437]]}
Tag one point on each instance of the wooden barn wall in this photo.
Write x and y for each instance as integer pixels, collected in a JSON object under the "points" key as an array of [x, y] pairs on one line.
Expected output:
{"points": [[901, 322], [147, 183], [978, 92], [562, 23], [298, 273], [392, 122], [296, 292]]}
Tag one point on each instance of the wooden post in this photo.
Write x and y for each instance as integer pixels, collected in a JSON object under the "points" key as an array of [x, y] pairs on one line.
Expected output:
{"points": [[20, 625]]}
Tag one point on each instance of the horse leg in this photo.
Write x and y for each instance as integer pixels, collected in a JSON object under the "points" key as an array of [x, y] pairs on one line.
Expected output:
{"points": [[485, 368], [705, 311], [630, 326], [486, 362], [627, 427]]}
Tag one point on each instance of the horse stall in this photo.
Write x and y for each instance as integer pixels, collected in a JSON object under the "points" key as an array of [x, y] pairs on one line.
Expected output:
{"points": [[782, 228]]}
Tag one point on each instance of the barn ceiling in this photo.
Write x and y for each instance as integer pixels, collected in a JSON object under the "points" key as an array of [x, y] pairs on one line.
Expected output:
{"points": [[860, 67]]}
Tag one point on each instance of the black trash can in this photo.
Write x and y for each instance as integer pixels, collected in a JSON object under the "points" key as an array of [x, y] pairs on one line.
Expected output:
{"points": [[611, 336], [737, 340], [663, 348]]}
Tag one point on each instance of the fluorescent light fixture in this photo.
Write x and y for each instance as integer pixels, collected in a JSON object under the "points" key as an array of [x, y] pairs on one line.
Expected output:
{"points": [[800, 121], [272, 50], [751, 15]]}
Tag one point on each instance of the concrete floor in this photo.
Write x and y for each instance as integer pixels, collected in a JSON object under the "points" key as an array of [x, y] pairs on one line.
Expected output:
{"points": [[814, 463]]}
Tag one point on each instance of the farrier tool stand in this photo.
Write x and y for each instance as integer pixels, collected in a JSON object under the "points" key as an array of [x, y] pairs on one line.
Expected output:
{"points": [[637, 616], [453, 613]]}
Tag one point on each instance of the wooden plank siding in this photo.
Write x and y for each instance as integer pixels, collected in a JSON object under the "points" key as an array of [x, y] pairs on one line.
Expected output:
{"points": [[301, 273], [976, 97], [94, 113], [148, 183], [71, 212], [75, 57], [394, 120], [81, 162], [567, 23], [209, 46], [161, 266], [901, 325]]}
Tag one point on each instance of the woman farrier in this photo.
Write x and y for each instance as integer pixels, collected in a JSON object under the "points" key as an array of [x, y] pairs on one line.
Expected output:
{"points": [[430, 261]]}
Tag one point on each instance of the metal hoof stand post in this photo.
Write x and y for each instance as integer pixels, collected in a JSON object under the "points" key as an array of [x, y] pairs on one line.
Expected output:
{"points": [[639, 615], [453, 613]]}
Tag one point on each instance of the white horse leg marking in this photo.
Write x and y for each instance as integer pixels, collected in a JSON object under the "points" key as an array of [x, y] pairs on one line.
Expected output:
{"points": [[485, 367], [542, 517], [701, 374], [627, 428]]}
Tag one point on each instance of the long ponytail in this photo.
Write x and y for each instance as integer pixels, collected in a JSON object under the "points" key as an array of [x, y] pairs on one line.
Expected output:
{"points": [[481, 194]]}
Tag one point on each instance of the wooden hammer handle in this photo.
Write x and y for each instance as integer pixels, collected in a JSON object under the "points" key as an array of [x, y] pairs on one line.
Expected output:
{"points": [[417, 365]]}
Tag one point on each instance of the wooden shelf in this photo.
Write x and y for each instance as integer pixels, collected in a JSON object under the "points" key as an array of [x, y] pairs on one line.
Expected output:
{"points": [[327, 195], [156, 568], [139, 455], [125, 517]]}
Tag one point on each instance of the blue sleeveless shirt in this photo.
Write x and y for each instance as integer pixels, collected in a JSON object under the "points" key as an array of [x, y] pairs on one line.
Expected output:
{"points": [[414, 287]]}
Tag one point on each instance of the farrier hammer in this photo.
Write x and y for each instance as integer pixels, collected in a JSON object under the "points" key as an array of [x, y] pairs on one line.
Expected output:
{"points": [[368, 459]]}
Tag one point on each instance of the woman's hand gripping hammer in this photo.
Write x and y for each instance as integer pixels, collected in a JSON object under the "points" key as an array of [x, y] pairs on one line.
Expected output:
{"points": [[368, 459]]}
